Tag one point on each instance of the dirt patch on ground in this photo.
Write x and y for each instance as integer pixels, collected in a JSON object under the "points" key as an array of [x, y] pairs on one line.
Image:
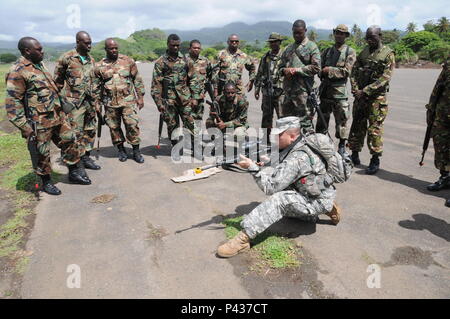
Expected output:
{"points": [[294, 283], [412, 256]]}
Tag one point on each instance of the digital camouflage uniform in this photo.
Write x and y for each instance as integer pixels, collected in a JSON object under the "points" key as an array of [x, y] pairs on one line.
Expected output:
{"points": [[73, 76], [270, 102], [36, 82], [333, 89], [233, 114], [122, 87], [176, 72], [297, 186], [199, 74], [295, 88], [371, 73], [230, 67], [440, 104]]}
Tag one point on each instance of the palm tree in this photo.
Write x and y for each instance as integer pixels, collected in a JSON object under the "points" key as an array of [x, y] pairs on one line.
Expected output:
{"points": [[312, 35], [412, 27], [443, 25], [357, 35]]}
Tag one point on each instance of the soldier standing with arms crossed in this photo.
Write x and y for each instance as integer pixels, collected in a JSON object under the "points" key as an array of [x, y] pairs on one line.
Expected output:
{"points": [[73, 76], [337, 64], [300, 62], [118, 81], [230, 67], [270, 83], [370, 79], [31, 89]]}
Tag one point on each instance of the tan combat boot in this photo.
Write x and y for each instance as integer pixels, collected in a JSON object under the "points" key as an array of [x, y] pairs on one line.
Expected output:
{"points": [[234, 246], [335, 214]]}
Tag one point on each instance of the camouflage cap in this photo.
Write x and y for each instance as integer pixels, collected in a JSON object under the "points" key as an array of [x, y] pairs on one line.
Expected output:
{"points": [[343, 28], [275, 37], [286, 123]]}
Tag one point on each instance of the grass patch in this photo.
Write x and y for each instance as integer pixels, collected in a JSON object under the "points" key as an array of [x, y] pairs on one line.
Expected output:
{"points": [[273, 251]]}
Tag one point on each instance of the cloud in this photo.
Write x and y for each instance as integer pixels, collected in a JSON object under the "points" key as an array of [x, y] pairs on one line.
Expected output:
{"points": [[106, 18], [6, 37]]}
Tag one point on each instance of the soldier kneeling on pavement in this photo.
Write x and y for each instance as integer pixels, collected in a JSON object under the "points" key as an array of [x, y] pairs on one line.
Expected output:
{"points": [[301, 185]]}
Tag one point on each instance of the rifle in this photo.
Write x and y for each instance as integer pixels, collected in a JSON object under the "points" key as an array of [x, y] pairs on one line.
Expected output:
{"points": [[427, 138], [100, 119], [215, 108], [165, 97], [32, 142]]}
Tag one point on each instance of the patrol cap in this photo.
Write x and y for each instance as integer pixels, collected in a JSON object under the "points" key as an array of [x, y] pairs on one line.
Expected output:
{"points": [[343, 28], [286, 123], [275, 37]]}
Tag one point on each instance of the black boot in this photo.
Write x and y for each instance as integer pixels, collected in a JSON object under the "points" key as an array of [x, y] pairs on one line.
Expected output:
{"points": [[77, 175], [341, 148], [48, 186], [447, 202], [374, 165], [89, 162], [137, 154], [122, 153], [442, 183], [355, 158]]}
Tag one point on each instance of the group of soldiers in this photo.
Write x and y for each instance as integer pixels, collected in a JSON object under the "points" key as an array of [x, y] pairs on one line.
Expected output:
{"points": [[65, 108]]}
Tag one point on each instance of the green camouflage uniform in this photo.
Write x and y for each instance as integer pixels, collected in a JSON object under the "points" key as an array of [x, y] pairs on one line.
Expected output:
{"points": [[36, 82], [299, 187], [122, 86], [234, 114], [73, 76], [178, 102], [333, 97], [440, 104], [230, 67], [295, 101], [371, 73], [273, 102], [199, 74]]}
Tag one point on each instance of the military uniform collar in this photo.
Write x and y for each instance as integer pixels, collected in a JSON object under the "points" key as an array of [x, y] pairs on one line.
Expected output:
{"points": [[179, 56], [23, 60], [304, 42], [75, 53], [238, 52]]}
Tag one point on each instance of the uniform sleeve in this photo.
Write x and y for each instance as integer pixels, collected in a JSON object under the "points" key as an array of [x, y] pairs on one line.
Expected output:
{"points": [[259, 78], [251, 68], [282, 64], [383, 81], [314, 67], [354, 75], [337, 73], [434, 95], [157, 79], [241, 119], [60, 72], [15, 93], [96, 87], [137, 80], [279, 178], [215, 72], [195, 81]]}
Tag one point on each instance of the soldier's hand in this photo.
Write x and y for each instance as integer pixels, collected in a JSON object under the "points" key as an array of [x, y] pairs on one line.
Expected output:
{"points": [[359, 94], [244, 162], [216, 93], [220, 124], [194, 104], [161, 109], [140, 103], [325, 70], [249, 86], [27, 133]]}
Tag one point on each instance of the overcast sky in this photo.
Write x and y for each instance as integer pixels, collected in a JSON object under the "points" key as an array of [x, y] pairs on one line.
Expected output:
{"points": [[58, 21]]}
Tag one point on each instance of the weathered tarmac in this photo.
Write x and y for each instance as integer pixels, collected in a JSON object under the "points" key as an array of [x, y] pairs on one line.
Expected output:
{"points": [[129, 248]]}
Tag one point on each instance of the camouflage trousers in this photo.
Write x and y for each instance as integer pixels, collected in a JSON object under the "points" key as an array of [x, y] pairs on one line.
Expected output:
{"points": [[197, 113], [285, 204], [441, 137], [368, 118], [64, 138], [84, 123], [270, 104], [341, 112], [175, 111], [128, 114], [299, 106]]}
